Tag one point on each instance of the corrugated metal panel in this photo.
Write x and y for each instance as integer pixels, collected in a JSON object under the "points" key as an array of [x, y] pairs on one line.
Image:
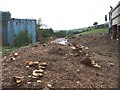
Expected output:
{"points": [[0, 28], [31, 27], [15, 26], [10, 33], [5, 17]]}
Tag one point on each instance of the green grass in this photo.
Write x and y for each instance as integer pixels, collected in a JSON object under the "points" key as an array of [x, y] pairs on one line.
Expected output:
{"points": [[0, 49], [7, 49], [95, 31]]}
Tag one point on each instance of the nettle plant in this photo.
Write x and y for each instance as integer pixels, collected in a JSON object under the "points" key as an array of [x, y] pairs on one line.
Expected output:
{"points": [[23, 38]]}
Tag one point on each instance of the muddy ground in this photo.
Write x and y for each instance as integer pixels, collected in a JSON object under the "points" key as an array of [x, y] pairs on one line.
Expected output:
{"points": [[65, 67]]}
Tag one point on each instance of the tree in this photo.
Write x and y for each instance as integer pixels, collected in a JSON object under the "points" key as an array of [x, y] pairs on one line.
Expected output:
{"points": [[43, 34], [40, 24], [61, 34], [95, 24], [39, 30], [46, 33]]}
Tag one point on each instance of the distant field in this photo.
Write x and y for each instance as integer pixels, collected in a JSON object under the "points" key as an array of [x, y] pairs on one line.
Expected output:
{"points": [[95, 31]]}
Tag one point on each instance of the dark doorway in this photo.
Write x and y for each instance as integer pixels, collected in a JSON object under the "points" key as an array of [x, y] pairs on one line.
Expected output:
{"points": [[114, 31]]}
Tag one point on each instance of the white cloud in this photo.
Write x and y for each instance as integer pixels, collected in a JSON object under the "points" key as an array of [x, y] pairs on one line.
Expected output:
{"points": [[60, 14]]}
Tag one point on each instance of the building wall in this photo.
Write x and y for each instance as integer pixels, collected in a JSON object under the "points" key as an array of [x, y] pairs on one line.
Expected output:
{"points": [[9, 28], [115, 21], [0, 28], [15, 26], [4, 18], [119, 16], [116, 15]]}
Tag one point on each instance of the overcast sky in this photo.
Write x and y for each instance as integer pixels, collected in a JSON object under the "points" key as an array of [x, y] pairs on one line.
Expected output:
{"points": [[60, 14]]}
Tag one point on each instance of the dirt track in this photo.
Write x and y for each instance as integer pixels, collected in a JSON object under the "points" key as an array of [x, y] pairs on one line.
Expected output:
{"points": [[64, 67]]}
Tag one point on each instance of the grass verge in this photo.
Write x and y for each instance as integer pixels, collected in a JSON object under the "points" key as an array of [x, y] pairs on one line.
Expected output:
{"points": [[7, 49], [94, 31]]}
